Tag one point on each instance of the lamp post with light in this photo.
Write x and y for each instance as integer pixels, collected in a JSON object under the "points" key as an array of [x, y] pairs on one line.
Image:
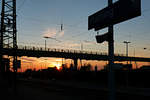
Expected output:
{"points": [[127, 42], [46, 37]]}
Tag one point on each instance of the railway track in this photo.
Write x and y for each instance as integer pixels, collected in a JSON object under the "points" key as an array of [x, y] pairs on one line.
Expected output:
{"points": [[74, 91]]}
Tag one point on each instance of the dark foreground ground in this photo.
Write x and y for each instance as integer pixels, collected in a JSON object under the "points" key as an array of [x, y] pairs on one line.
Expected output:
{"points": [[66, 90]]}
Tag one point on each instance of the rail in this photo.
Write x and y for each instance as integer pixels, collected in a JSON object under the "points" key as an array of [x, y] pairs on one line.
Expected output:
{"points": [[63, 50]]}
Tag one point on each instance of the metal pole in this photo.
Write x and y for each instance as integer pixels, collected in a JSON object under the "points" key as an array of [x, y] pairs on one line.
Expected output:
{"points": [[1, 38], [127, 50], [15, 45], [111, 78], [81, 51], [45, 44], [135, 61], [126, 42], [81, 46]]}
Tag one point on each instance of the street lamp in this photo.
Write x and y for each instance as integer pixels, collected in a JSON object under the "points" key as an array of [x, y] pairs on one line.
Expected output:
{"points": [[126, 42], [81, 46], [144, 48], [47, 37]]}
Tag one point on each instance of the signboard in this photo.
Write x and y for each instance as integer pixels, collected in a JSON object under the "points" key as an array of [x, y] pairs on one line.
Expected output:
{"points": [[102, 38], [120, 11]]}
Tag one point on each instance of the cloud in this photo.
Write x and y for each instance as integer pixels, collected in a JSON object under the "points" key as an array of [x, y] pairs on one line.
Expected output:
{"points": [[67, 45], [52, 32], [61, 33], [28, 59], [71, 44], [26, 62], [89, 42]]}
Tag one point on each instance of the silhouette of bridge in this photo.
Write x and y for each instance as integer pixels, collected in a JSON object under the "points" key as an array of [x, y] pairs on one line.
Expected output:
{"points": [[68, 54]]}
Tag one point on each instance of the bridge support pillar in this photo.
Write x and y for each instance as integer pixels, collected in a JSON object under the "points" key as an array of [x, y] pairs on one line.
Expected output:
{"points": [[75, 64]]}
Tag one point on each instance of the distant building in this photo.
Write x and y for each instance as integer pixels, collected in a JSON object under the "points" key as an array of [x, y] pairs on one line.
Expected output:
{"points": [[120, 66], [145, 68]]}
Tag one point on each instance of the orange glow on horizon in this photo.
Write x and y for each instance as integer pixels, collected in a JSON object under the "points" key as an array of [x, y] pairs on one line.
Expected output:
{"points": [[44, 63], [57, 65]]}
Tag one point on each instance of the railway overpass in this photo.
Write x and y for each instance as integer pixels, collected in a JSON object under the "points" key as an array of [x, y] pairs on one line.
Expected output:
{"points": [[68, 54]]}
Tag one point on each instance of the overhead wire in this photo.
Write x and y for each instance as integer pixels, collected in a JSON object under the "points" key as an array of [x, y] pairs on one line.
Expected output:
{"points": [[37, 20], [21, 5], [146, 10], [79, 34]]}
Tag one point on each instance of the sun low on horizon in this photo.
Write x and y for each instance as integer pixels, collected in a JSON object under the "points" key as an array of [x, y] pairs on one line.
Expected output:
{"points": [[45, 63], [57, 65]]}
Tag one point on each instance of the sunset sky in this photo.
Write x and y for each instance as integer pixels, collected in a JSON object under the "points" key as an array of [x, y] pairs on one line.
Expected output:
{"points": [[38, 18]]}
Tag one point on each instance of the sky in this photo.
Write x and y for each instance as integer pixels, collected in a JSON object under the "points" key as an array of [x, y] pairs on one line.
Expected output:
{"points": [[38, 18]]}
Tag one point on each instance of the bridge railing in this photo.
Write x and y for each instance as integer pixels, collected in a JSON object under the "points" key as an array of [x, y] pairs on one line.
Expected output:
{"points": [[63, 50]]}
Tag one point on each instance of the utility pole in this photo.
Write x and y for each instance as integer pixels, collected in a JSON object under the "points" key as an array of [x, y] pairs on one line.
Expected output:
{"points": [[2, 29], [127, 42], [45, 44], [111, 78], [81, 46], [8, 35], [14, 35], [46, 37]]}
